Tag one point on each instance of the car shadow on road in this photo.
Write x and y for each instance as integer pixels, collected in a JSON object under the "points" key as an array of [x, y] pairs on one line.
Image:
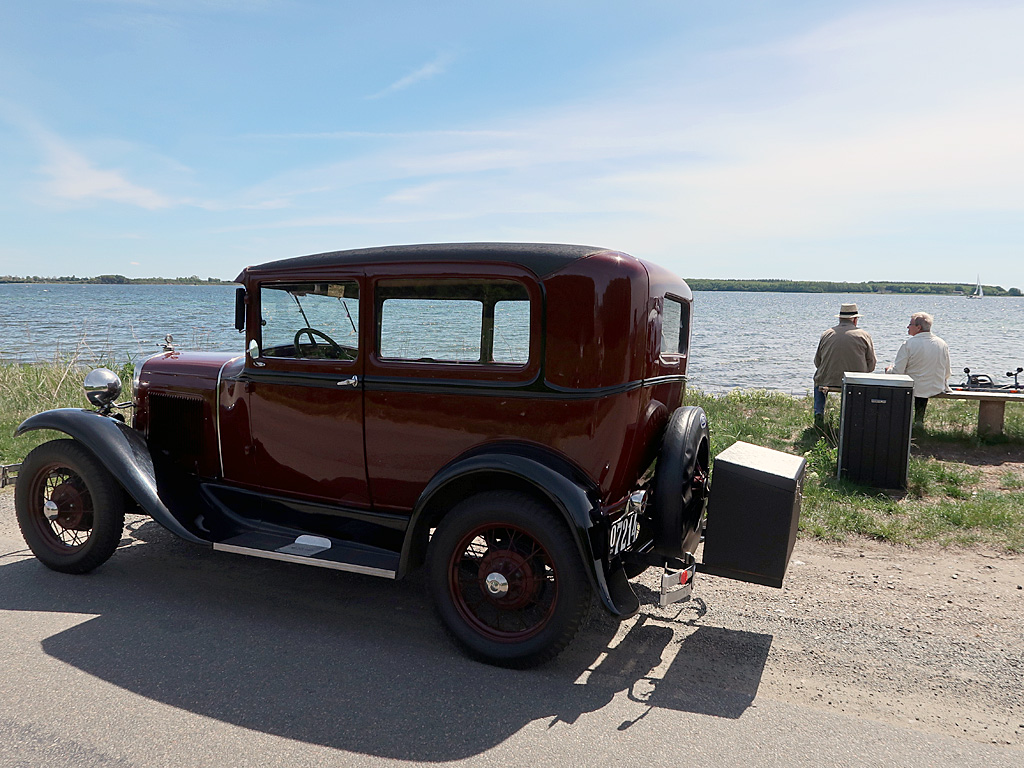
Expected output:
{"points": [[352, 662]]}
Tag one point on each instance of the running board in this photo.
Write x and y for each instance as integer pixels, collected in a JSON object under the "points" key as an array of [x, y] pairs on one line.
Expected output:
{"points": [[319, 551]]}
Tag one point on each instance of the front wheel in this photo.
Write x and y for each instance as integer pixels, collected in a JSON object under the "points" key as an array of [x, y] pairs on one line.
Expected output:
{"points": [[69, 507], [507, 579]]}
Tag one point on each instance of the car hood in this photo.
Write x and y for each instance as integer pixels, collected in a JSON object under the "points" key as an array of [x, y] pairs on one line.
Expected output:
{"points": [[192, 364]]}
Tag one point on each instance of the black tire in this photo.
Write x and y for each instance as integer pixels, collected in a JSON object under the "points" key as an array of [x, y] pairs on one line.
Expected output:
{"points": [[84, 521], [680, 493], [547, 592]]}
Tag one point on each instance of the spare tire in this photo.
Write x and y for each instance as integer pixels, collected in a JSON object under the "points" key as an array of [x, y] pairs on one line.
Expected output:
{"points": [[680, 490]]}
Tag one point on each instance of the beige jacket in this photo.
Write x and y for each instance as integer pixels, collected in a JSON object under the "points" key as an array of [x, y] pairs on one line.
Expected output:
{"points": [[842, 348]]}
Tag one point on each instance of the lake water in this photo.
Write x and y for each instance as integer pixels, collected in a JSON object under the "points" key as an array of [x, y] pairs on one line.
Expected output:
{"points": [[744, 340]]}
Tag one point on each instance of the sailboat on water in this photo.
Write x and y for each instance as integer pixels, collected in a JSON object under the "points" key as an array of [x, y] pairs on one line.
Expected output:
{"points": [[978, 292]]}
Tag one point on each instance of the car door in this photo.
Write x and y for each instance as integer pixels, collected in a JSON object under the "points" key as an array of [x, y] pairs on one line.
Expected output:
{"points": [[306, 393], [453, 357]]}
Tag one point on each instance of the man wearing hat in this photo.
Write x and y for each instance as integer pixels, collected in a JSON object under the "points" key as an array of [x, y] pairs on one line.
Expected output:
{"points": [[844, 347]]}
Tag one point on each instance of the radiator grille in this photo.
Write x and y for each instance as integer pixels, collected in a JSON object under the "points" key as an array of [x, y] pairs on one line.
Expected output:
{"points": [[176, 424]]}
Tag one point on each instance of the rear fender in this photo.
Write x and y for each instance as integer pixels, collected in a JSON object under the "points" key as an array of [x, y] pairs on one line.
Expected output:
{"points": [[121, 449], [571, 498]]}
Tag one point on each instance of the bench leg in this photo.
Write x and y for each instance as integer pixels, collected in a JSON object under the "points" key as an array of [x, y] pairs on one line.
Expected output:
{"points": [[990, 417]]}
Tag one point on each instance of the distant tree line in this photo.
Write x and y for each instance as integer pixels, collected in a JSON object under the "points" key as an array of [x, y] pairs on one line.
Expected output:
{"points": [[117, 280], [815, 286]]}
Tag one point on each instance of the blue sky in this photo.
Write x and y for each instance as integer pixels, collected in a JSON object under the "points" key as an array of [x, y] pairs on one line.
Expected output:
{"points": [[798, 140]]}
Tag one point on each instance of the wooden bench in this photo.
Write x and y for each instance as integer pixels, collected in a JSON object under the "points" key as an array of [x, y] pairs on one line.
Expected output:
{"points": [[991, 407]]}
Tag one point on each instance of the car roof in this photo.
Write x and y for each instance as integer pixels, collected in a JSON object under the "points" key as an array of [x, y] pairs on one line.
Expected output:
{"points": [[540, 258]]}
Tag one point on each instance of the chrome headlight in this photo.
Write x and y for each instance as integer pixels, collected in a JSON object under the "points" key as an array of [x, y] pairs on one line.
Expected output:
{"points": [[102, 387], [140, 363], [136, 376]]}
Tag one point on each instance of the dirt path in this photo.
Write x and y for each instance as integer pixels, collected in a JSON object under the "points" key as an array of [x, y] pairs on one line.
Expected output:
{"points": [[929, 637], [1001, 466]]}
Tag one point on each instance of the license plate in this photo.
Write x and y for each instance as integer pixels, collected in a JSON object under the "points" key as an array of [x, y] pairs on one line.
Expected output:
{"points": [[624, 533]]}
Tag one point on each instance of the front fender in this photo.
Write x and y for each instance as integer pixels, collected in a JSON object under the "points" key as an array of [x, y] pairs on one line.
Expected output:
{"points": [[567, 495], [121, 449]]}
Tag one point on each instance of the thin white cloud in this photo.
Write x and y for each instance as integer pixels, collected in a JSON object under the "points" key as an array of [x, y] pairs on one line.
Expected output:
{"points": [[71, 176], [429, 70], [74, 177], [454, 133]]}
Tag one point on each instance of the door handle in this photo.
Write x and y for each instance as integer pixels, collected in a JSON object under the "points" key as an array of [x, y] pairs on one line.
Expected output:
{"points": [[353, 382]]}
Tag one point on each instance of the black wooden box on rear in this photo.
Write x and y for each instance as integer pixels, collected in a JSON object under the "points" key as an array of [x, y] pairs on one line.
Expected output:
{"points": [[753, 514], [874, 434]]}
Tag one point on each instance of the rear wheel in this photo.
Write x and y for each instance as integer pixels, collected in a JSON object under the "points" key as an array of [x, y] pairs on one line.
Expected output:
{"points": [[507, 579], [69, 507]]}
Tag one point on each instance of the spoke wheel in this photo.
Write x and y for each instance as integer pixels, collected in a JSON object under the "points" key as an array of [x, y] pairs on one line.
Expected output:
{"points": [[67, 513], [507, 579], [69, 508], [502, 582]]}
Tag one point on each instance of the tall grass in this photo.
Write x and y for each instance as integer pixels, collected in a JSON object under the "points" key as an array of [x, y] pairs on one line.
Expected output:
{"points": [[27, 389]]}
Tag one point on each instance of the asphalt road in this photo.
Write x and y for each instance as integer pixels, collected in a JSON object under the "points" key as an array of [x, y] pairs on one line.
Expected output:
{"points": [[173, 655]]}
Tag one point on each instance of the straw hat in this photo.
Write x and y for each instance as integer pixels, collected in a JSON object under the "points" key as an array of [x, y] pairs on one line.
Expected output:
{"points": [[848, 312]]}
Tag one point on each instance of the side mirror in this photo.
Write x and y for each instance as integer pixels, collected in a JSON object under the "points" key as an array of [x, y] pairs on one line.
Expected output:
{"points": [[240, 309], [254, 349]]}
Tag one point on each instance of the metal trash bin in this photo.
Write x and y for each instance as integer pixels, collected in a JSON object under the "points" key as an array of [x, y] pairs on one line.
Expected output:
{"points": [[874, 430]]}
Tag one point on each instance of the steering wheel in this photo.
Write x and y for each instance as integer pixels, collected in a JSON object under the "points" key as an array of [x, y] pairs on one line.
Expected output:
{"points": [[312, 333]]}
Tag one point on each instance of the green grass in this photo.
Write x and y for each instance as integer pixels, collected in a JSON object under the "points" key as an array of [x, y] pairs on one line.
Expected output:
{"points": [[945, 502], [28, 389], [1011, 480], [755, 416]]}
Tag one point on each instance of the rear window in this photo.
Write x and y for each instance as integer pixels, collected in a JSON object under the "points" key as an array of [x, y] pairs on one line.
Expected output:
{"points": [[675, 327], [454, 321]]}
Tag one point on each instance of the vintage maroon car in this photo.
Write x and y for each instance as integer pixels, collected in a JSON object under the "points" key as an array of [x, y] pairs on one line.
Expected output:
{"points": [[491, 410]]}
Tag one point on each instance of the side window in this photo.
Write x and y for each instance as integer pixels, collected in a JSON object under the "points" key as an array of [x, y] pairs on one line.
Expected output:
{"points": [[512, 331], [431, 329], [675, 327], [453, 321], [310, 320]]}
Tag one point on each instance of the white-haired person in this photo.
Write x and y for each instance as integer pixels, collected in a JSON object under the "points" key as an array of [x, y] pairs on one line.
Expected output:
{"points": [[924, 357]]}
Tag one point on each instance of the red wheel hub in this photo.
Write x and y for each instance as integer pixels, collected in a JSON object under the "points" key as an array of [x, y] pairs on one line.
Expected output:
{"points": [[503, 582], [72, 513], [517, 584]]}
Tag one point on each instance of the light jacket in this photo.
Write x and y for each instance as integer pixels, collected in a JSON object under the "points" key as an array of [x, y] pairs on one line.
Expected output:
{"points": [[924, 357], [842, 348]]}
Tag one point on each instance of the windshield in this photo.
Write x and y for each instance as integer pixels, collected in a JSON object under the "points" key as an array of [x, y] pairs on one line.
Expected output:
{"points": [[310, 320]]}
